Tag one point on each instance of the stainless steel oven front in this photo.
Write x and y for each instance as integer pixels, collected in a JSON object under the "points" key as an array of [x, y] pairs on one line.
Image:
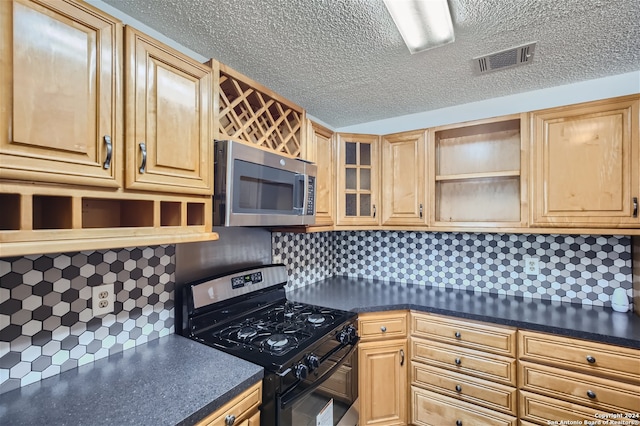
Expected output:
{"points": [[326, 394], [255, 187]]}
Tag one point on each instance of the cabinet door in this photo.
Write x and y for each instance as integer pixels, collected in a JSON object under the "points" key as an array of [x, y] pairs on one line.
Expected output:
{"points": [[320, 150], [403, 179], [60, 90], [358, 180], [168, 118], [586, 161], [383, 382]]}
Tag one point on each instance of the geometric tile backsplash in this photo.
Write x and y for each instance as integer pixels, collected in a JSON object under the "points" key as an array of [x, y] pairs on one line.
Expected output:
{"points": [[582, 269], [46, 323]]}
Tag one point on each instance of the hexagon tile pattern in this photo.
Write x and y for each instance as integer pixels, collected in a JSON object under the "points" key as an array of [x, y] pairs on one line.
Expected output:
{"points": [[46, 321], [582, 269]]}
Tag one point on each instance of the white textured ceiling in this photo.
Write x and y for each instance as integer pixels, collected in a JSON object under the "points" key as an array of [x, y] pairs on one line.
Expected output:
{"points": [[345, 62]]}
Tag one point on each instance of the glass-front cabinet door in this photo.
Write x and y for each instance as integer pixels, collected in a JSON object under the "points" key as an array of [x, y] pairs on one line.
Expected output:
{"points": [[358, 180]]}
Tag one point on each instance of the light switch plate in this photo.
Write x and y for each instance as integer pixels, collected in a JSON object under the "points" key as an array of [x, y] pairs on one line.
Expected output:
{"points": [[531, 266]]}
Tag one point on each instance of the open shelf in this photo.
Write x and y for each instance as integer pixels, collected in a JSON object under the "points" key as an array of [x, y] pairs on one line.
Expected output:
{"points": [[195, 214], [10, 212], [108, 213], [52, 212], [473, 176], [170, 213], [37, 219], [479, 200], [478, 173]]}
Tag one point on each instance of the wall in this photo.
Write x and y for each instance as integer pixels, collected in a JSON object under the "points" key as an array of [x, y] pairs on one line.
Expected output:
{"points": [[46, 324], [573, 268]]}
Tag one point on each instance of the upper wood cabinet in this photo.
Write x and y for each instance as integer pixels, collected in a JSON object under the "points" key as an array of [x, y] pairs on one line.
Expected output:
{"points": [[319, 148], [404, 194], [585, 165], [479, 177], [59, 116], [168, 118], [358, 180]]}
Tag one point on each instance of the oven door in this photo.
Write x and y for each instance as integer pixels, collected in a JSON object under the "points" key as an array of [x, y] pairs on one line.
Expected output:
{"points": [[326, 397]]}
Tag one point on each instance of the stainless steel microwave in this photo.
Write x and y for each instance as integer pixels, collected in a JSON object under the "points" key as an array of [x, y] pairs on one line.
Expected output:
{"points": [[255, 187]]}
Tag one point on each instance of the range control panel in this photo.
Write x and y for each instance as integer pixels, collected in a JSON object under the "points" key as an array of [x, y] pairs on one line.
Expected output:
{"points": [[244, 280]]}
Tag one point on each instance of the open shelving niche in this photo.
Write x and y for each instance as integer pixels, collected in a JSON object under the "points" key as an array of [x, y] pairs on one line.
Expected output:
{"points": [[38, 219], [479, 175]]}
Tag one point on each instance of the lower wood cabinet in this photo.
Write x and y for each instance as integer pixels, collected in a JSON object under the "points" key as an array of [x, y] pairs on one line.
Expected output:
{"points": [[567, 379], [382, 369], [462, 372], [433, 409], [243, 410]]}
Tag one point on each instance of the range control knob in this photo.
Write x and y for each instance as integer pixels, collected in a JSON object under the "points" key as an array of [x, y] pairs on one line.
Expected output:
{"points": [[346, 335], [313, 361], [300, 371]]}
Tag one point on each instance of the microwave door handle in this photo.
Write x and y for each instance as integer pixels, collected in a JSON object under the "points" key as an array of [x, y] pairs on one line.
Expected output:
{"points": [[298, 194]]}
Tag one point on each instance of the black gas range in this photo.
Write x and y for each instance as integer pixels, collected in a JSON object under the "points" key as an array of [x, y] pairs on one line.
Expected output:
{"points": [[305, 349]]}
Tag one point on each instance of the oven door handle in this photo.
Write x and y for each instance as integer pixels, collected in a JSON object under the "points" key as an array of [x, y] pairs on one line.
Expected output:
{"points": [[286, 398]]}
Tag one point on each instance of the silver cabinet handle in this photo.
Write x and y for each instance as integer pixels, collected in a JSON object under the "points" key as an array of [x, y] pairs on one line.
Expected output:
{"points": [[458, 388], [383, 329], [590, 359], [229, 420], [458, 361], [374, 210], [401, 357], [457, 334], [143, 165], [107, 161], [420, 210], [591, 394], [635, 206]]}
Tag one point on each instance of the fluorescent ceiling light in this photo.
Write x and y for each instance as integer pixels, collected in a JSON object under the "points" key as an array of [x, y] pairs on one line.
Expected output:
{"points": [[423, 24]]}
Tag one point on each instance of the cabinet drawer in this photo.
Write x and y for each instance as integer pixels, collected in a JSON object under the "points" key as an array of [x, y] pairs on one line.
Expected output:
{"points": [[242, 407], [387, 325], [476, 391], [467, 361], [544, 410], [591, 391], [474, 335], [587, 357], [432, 409]]}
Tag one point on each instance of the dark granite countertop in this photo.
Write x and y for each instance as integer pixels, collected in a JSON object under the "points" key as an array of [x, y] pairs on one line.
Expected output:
{"points": [[364, 295], [168, 381]]}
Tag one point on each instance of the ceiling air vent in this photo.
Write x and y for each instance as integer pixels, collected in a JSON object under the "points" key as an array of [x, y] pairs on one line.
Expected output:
{"points": [[505, 59]]}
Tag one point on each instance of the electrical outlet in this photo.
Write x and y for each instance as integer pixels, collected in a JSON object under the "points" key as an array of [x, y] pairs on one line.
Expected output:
{"points": [[277, 258], [103, 299], [531, 266]]}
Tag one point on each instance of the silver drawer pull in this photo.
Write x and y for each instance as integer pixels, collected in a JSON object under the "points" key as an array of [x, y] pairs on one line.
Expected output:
{"points": [[458, 422], [591, 394], [590, 359], [458, 388], [383, 329], [458, 335], [229, 420], [458, 361]]}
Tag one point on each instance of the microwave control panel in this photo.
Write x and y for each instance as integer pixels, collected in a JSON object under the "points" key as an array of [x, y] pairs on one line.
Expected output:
{"points": [[311, 195]]}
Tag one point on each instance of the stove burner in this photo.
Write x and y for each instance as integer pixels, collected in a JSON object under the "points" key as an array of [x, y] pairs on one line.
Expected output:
{"points": [[246, 333], [277, 341], [316, 319]]}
